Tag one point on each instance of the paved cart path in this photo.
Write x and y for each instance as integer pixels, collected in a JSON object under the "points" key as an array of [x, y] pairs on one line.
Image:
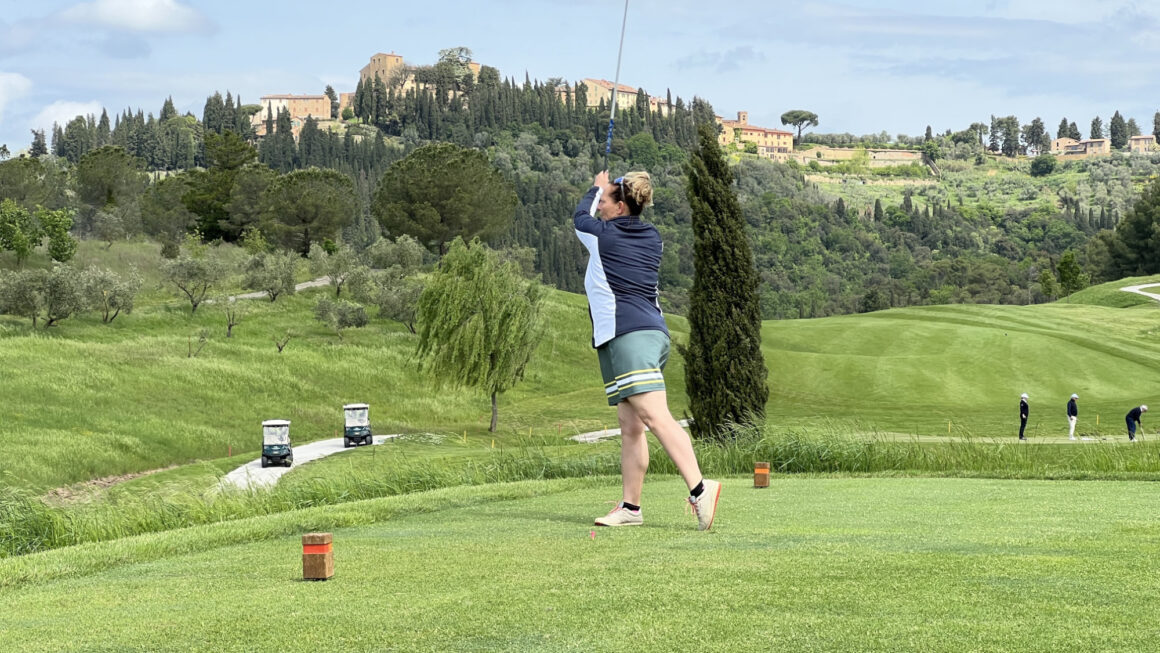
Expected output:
{"points": [[252, 475], [314, 283], [1139, 290], [596, 436]]}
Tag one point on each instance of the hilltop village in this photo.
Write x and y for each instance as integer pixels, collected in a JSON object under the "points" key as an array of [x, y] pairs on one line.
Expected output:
{"points": [[770, 143]]}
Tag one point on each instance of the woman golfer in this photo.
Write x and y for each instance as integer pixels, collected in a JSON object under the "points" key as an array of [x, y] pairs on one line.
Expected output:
{"points": [[632, 341]]}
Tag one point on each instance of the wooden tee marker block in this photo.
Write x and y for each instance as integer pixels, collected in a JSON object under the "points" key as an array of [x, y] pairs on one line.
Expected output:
{"points": [[760, 474], [317, 556]]}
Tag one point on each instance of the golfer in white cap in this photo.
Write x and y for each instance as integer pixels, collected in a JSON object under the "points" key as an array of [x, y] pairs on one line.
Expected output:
{"points": [[1133, 418], [1072, 416], [1024, 410]]}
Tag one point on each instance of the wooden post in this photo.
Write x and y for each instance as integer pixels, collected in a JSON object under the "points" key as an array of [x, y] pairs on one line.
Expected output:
{"points": [[760, 474], [317, 556]]}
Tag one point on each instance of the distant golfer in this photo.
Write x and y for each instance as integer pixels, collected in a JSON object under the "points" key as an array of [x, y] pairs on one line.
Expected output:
{"points": [[1072, 416], [1133, 419], [632, 340], [1024, 410]]}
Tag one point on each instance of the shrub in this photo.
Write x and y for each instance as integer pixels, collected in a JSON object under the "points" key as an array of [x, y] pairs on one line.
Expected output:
{"points": [[1042, 165]]}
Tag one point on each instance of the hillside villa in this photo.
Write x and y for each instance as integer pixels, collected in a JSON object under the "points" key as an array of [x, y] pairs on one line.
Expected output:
{"points": [[1069, 148], [393, 71], [300, 107], [774, 144], [1142, 143]]}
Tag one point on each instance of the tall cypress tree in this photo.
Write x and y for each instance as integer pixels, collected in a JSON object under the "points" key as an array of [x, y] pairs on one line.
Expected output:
{"points": [[724, 368], [1118, 131]]}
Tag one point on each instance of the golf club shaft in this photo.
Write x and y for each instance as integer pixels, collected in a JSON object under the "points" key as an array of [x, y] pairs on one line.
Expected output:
{"points": [[615, 84]]}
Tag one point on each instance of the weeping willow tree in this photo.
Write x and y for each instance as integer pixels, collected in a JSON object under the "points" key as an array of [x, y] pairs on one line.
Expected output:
{"points": [[479, 321]]}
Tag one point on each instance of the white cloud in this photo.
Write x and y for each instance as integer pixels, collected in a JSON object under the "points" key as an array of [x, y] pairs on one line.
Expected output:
{"points": [[13, 86], [61, 112], [138, 15]]}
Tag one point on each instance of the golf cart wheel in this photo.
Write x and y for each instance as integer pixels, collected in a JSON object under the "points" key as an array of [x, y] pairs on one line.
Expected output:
{"points": [[289, 462], [346, 443], [265, 462]]}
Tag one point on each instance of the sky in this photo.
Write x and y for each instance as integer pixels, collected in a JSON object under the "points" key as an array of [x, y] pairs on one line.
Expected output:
{"points": [[863, 66]]}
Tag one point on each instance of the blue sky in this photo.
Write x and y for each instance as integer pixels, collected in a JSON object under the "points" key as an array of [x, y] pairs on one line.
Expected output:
{"points": [[863, 66]]}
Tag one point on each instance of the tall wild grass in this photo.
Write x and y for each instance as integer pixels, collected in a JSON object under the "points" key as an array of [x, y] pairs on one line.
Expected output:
{"points": [[28, 523]]}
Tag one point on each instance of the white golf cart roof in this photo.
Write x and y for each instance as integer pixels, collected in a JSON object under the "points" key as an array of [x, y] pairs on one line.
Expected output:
{"points": [[355, 406], [276, 422]]}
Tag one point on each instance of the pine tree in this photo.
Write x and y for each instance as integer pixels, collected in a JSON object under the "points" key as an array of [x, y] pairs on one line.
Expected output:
{"points": [[333, 100], [103, 133], [212, 118], [1118, 131], [168, 110], [1097, 130], [359, 99], [724, 368], [39, 147]]}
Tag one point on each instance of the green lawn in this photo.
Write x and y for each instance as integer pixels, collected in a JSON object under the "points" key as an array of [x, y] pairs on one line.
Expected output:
{"points": [[916, 370], [1111, 295], [813, 563], [86, 400]]}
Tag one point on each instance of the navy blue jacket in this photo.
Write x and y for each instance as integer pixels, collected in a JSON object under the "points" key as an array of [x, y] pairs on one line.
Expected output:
{"points": [[1134, 415], [624, 262], [1024, 409], [1072, 409]]}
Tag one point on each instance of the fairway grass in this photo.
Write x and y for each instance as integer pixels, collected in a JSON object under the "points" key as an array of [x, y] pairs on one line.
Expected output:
{"points": [[812, 563], [87, 400]]}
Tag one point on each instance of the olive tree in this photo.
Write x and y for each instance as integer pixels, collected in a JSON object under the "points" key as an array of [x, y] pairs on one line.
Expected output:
{"points": [[193, 274], [51, 295], [271, 273], [109, 293]]}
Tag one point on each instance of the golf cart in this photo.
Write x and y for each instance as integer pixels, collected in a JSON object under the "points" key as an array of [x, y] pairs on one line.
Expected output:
{"points": [[357, 427], [276, 443]]}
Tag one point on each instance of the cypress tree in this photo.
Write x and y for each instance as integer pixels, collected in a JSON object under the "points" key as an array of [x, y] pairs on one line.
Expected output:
{"points": [[724, 368]]}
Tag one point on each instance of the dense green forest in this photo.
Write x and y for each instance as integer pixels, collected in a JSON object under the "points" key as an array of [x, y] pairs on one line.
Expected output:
{"points": [[819, 250]]}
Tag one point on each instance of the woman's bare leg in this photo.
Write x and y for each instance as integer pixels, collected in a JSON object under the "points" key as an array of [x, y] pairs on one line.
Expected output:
{"points": [[633, 452], [652, 408]]}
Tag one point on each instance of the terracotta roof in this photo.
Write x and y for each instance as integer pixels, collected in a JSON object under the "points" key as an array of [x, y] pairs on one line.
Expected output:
{"points": [[291, 96], [767, 130], [747, 127], [620, 88]]}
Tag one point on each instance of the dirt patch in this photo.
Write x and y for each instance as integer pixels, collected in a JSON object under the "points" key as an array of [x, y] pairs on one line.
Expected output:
{"points": [[87, 490]]}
